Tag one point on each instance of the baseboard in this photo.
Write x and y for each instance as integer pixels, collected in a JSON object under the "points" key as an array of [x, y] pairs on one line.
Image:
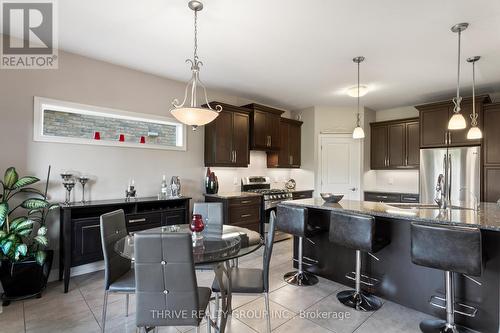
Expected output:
{"points": [[78, 270]]}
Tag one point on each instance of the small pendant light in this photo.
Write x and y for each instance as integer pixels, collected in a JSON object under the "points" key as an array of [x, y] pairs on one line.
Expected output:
{"points": [[457, 121], [358, 132], [193, 114], [474, 132]]}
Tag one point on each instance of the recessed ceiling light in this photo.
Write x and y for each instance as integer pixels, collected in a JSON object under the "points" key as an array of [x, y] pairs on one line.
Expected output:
{"points": [[353, 91]]}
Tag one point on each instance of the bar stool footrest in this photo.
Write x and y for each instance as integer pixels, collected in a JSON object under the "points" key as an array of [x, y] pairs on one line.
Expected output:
{"points": [[365, 279], [460, 308]]}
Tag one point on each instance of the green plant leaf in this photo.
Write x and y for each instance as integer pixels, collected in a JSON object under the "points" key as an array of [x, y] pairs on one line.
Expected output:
{"points": [[31, 190], [4, 211], [15, 222], [24, 181], [40, 257], [6, 247], [10, 177], [3, 234], [27, 224], [34, 203], [53, 206], [22, 249], [42, 231], [25, 232], [42, 240]]}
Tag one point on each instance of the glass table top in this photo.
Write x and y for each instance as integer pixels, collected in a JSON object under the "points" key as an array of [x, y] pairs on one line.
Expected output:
{"points": [[215, 246]]}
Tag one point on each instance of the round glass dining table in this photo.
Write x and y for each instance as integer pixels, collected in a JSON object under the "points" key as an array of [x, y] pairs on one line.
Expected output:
{"points": [[217, 248]]}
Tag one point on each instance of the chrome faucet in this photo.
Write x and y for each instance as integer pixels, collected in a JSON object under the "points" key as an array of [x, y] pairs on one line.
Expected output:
{"points": [[440, 198]]}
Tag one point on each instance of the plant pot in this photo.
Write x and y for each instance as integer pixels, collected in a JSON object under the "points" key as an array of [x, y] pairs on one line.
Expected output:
{"points": [[24, 279]]}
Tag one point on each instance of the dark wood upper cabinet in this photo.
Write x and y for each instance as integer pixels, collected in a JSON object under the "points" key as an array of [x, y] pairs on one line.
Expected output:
{"points": [[395, 144], [434, 119], [379, 144], [288, 156], [491, 153], [264, 127], [227, 137], [492, 134], [413, 144], [396, 149]]}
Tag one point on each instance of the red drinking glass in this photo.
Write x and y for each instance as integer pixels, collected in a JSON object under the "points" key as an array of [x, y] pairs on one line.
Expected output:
{"points": [[143, 139], [122, 138], [97, 136], [197, 224]]}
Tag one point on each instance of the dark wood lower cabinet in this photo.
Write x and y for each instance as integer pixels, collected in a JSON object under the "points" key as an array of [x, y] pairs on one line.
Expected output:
{"points": [[80, 237], [242, 211], [492, 184]]}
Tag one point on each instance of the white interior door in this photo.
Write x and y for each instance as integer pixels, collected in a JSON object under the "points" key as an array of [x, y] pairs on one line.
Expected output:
{"points": [[340, 165]]}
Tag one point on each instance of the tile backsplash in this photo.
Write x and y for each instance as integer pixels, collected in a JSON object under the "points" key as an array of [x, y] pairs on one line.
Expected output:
{"points": [[230, 178]]}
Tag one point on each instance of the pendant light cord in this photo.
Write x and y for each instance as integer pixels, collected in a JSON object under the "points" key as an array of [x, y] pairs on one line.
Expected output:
{"points": [[195, 57], [358, 120], [458, 99], [474, 115]]}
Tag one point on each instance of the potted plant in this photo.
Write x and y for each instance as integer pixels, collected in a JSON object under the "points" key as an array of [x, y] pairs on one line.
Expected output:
{"points": [[25, 261]]}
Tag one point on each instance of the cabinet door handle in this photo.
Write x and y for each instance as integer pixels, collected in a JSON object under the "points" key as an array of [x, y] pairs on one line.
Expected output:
{"points": [[245, 215], [246, 201], [449, 138], [137, 220], [235, 156], [445, 137]]}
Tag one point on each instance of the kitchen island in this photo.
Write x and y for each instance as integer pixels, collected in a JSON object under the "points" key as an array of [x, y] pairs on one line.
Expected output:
{"points": [[400, 280]]}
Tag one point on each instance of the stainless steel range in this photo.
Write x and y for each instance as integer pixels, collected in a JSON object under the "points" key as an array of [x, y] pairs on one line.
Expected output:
{"points": [[271, 198]]}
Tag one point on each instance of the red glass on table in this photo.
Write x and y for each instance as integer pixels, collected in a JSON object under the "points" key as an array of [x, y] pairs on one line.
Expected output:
{"points": [[197, 224], [122, 138], [97, 136], [143, 139]]}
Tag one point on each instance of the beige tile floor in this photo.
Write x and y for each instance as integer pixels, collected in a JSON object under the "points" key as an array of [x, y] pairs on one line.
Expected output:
{"points": [[293, 309]]}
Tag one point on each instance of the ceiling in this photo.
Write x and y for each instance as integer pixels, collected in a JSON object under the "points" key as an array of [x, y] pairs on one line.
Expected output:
{"points": [[296, 53]]}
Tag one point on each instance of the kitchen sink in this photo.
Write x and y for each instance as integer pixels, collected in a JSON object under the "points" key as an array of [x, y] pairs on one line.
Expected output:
{"points": [[424, 206]]}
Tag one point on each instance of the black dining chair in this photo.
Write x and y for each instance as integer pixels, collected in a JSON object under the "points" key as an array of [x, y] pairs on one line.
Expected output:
{"points": [[118, 272], [253, 280], [167, 292]]}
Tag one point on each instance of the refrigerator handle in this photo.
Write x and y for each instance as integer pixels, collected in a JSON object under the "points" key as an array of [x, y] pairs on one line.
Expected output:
{"points": [[449, 178]]}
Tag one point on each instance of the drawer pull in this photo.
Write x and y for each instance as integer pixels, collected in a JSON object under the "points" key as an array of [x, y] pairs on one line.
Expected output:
{"points": [[137, 220], [382, 196], [245, 215], [409, 198], [246, 201]]}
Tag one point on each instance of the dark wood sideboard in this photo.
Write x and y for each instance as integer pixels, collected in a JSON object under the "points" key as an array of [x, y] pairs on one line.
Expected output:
{"points": [[80, 237]]}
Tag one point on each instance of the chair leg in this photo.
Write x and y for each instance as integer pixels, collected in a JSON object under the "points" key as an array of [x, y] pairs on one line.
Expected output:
{"points": [[217, 307], [127, 298], [268, 312], [104, 308]]}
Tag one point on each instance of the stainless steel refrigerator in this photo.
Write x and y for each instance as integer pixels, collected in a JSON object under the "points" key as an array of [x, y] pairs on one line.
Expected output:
{"points": [[462, 167]]}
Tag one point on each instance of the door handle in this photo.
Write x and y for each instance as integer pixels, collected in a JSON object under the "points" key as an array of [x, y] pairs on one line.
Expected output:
{"points": [[445, 138], [449, 138], [353, 189], [235, 156]]}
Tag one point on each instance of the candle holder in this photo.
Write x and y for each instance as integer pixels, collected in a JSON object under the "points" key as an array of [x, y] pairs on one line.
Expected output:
{"points": [[83, 181], [68, 185]]}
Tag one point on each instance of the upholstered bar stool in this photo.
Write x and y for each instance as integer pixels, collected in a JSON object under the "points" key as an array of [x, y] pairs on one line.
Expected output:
{"points": [[451, 249], [361, 233], [294, 221]]}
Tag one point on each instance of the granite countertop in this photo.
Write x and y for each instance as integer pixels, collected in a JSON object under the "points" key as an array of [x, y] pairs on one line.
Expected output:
{"points": [[487, 218], [229, 195]]}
